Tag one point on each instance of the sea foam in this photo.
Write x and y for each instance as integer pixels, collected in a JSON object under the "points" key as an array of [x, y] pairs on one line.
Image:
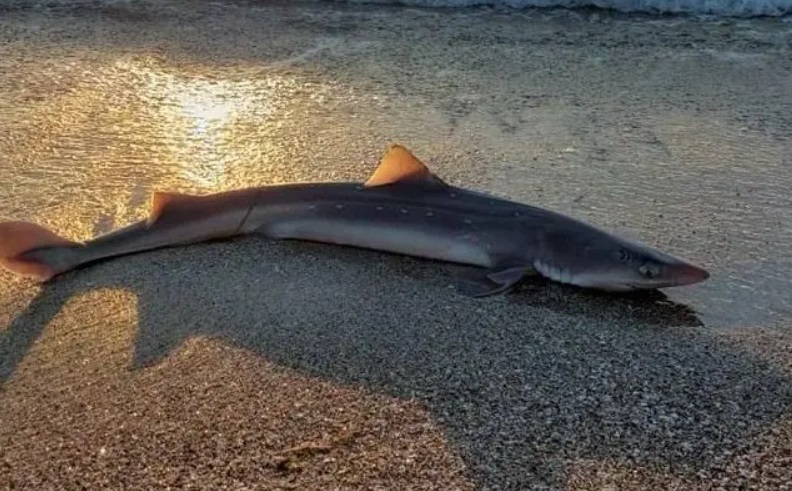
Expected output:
{"points": [[736, 8]]}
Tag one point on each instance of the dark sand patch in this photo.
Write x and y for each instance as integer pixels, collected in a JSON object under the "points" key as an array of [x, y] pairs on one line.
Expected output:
{"points": [[209, 415]]}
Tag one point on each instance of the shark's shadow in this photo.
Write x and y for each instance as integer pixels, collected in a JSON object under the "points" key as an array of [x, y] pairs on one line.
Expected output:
{"points": [[521, 383]]}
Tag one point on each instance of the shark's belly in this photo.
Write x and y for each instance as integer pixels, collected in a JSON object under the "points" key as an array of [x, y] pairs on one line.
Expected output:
{"points": [[401, 238]]}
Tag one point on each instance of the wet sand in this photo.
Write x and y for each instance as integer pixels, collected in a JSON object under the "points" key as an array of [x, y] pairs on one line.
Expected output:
{"points": [[250, 364]]}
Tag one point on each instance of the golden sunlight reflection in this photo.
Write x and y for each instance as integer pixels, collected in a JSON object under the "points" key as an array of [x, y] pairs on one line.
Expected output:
{"points": [[86, 155], [200, 119], [204, 110]]}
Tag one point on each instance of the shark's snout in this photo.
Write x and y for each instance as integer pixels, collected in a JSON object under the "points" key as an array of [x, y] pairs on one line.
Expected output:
{"points": [[687, 274]]}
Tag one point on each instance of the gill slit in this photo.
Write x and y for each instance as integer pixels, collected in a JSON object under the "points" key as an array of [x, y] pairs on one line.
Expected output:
{"points": [[247, 213]]}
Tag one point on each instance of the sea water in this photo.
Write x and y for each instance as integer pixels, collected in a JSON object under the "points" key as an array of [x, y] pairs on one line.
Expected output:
{"points": [[671, 129]]}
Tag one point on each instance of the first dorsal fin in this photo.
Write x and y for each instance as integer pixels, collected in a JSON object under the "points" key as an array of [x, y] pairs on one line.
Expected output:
{"points": [[399, 165], [161, 201]]}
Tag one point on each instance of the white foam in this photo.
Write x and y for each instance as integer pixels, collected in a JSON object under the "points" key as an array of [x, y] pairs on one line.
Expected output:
{"points": [[738, 8]]}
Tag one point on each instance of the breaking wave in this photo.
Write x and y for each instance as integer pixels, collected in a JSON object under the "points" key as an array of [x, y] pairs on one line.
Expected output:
{"points": [[732, 8]]}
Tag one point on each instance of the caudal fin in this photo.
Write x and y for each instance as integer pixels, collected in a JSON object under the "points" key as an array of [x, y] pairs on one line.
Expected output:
{"points": [[30, 250]]}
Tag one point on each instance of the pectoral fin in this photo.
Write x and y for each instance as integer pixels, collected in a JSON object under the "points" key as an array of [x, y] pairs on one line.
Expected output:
{"points": [[486, 282]]}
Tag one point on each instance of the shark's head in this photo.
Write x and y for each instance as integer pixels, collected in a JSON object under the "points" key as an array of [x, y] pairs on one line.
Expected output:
{"points": [[613, 263]]}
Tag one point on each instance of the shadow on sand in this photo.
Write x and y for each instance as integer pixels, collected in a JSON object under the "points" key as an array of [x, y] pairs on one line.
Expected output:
{"points": [[521, 384]]}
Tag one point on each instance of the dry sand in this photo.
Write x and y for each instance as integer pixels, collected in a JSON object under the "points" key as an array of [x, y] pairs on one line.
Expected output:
{"points": [[256, 365]]}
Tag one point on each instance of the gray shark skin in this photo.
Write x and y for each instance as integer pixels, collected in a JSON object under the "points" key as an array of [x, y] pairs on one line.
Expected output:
{"points": [[403, 209]]}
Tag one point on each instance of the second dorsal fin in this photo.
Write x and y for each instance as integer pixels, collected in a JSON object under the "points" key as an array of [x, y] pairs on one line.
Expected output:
{"points": [[399, 165], [162, 201]]}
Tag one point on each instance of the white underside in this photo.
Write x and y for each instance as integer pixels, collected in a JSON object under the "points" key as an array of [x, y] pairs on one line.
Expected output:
{"points": [[395, 239], [554, 272]]}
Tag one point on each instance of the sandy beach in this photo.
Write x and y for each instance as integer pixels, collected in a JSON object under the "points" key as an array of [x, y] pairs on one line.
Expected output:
{"points": [[256, 365]]}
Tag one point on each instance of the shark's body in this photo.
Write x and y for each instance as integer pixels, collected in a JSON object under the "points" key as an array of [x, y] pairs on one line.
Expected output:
{"points": [[402, 209]]}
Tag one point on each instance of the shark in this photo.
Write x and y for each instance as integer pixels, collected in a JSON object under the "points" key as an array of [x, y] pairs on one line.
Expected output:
{"points": [[403, 208]]}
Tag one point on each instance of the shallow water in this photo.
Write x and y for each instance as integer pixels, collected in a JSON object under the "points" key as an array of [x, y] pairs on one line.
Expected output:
{"points": [[674, 131]]}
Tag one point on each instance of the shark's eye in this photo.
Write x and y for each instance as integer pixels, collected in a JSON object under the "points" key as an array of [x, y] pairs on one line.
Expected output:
{"points": [[624, 256]]}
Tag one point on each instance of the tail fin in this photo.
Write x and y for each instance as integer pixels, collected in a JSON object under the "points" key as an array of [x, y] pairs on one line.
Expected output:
{"points": [[33, 251]]}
